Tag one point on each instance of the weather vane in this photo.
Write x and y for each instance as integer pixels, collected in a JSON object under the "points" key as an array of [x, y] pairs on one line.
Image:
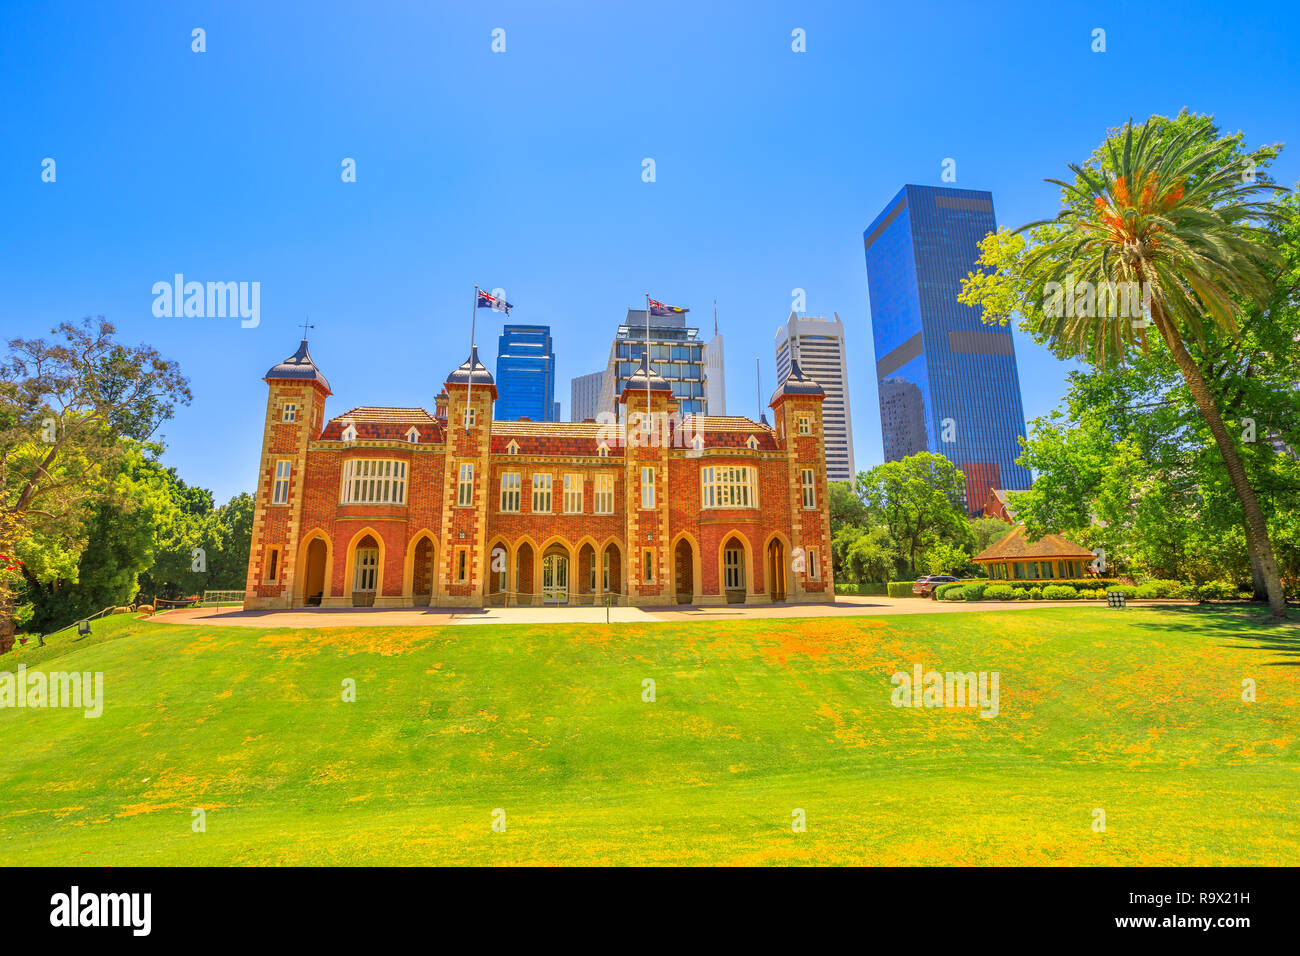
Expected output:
{"points": [[305, 326]]}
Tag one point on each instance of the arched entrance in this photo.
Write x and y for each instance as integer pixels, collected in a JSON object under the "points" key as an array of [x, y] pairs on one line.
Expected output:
{"points": [[555, 575], [684, 563], [776, 570], [422, 573], [524, 574], [498, 573], [611, 572], [586, 579], [733, 570], [365, 572], [313, 579]]}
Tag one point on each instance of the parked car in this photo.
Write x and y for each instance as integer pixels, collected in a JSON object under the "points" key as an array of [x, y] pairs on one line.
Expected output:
{"points": [[926, 586]]}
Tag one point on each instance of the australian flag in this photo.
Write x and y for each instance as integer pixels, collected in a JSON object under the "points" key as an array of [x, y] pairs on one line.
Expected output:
{"points": [[486, 301], [658, 308]]}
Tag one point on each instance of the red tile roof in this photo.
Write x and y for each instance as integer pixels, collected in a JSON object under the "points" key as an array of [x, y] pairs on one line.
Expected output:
{"points": [[1015, 546]]}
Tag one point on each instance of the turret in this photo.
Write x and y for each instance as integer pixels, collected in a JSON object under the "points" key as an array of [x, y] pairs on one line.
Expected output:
{"points": [[471, 392], [797, 407], [295, 415]]}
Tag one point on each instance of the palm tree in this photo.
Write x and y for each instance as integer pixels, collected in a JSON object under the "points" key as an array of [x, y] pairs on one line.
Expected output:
{"points": [[1178, 221]]}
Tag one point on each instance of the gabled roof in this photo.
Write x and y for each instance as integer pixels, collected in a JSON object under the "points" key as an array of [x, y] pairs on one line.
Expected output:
{"points": [[1016, 546], [378, 424], [298, 367]]}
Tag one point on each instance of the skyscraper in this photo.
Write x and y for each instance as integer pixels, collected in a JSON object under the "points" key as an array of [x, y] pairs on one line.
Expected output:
{"points": [[584, 396], [948, 382], [715, 382], [525, 376], [676, 355], [817, 344]]}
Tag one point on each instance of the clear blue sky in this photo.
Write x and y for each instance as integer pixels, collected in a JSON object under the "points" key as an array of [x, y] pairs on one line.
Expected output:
{"points": [[523, 169]]}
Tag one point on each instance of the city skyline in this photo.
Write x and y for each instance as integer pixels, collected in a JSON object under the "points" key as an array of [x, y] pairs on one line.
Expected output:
{"points": [[555, 210]]}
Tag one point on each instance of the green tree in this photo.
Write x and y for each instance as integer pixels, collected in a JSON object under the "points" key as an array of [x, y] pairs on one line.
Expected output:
{"points": [[65, 407], [918, 501], [1170, 209]]}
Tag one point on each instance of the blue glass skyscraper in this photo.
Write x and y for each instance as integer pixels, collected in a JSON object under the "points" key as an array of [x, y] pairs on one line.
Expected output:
{"points": [[525, 376], [948, 382]]}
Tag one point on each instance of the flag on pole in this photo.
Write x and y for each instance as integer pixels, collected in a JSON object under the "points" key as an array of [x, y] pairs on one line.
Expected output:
{"points": [[486, 301], [658, 308]]}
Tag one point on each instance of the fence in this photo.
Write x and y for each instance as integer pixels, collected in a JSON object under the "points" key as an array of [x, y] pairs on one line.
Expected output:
{"points": [[221, 599]]}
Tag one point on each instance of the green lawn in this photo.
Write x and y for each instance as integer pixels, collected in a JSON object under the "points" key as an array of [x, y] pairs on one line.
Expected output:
{"points": [[1137, 712]]}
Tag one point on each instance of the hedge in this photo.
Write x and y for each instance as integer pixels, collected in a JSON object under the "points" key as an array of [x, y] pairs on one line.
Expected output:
{"points": [[900, 589], [868, 588]]}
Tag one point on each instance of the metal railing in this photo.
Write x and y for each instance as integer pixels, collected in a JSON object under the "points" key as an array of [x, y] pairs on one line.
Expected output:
{"points": [[81, 620]]}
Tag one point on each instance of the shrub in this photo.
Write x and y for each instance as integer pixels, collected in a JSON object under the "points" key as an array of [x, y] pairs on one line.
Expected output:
{"points": [[1001, 592], [1217, 591], [121, 610], [973, 591], [953, 594], [901, 589], [145, 609], [1058, 592], [1035, 594], [944, 589], [1128, 590]]}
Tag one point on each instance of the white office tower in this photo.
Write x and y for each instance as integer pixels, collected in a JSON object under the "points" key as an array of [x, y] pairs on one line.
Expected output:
{"points": [[818, 346], [715, 385], [584, 396]]}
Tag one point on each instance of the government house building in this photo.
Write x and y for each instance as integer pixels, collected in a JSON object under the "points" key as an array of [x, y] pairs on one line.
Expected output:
{"points": [[397, 507]]}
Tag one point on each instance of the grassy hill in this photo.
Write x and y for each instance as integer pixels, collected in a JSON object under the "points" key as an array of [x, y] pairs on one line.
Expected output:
{"points": [[1137, 712]]}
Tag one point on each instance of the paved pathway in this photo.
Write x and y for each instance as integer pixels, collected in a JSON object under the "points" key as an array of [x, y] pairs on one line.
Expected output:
{"points": [[844, 606]]}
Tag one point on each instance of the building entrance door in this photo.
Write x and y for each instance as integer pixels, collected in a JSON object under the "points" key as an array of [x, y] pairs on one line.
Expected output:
{"points": [[555, 579]]}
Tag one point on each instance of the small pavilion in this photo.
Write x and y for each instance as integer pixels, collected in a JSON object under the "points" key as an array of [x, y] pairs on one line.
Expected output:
{"points": [[1051, 557]]}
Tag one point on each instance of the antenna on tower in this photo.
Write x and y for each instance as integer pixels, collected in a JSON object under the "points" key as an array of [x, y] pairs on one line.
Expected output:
{"points": [[715, 317]]}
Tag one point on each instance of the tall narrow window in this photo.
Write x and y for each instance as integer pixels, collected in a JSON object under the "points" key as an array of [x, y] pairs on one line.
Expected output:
{"points": [[273, 565], [648, 560], [462, 564], [541, 494], [510, 491], [290, 412], [572, 494], [809, 488], [465, 486], [647, 489], [814, 570], [603, 499], [280, 494]]}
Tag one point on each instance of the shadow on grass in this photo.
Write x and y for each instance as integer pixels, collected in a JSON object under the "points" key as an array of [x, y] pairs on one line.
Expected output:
{"points": [[1248, 625]]}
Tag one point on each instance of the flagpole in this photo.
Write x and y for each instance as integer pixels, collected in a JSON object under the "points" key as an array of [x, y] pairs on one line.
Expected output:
{"points": [[473, 319]]}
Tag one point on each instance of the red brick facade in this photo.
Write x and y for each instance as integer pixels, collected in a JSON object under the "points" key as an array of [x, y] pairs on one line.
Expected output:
{"points": [[452, 531]]}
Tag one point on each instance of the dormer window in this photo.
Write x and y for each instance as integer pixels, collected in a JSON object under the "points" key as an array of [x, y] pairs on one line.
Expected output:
{"points": [[751, 443], [290, 412], [349, 432], [512, 448], [413, 435], [603, 450], [698, 442]]}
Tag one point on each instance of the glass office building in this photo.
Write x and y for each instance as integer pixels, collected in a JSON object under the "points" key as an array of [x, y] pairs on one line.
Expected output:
{"points": [[525, 376], [948, 382], [676, 354]]}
